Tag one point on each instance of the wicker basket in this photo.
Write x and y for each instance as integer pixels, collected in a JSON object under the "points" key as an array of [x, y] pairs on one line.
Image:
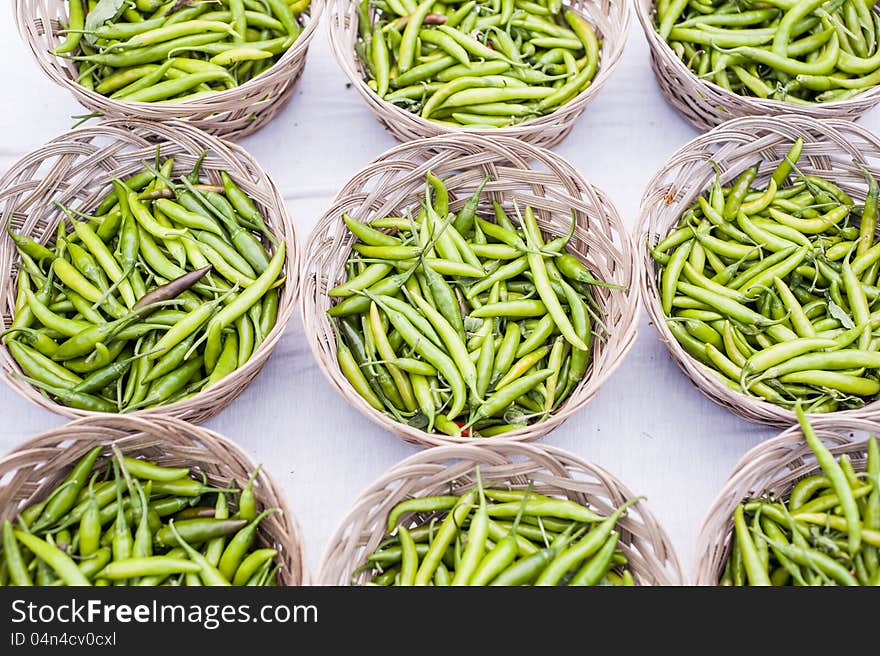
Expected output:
{"points": [[34, 468], [829, 150], [553, 471], [233, 113], [518, 172], [773, 466], [611, 19], [704, 104], [76, 169]]}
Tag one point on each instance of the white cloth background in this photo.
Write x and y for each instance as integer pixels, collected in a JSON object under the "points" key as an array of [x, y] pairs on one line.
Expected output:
{"points": [[648, 425]]}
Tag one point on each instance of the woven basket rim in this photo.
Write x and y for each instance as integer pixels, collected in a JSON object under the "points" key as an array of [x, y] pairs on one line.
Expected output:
{"points": [[748, 472], [644, 10], [626, 329], [280, 224], [475, 452], [761, 411], [205, 439], [425, 128], [298, 49]]}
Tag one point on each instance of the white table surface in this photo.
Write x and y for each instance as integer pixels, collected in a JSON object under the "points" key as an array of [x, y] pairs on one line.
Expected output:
{"points": [[648, 425]]}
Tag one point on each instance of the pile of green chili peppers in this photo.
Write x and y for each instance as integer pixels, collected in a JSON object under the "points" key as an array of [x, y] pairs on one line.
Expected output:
{"points": [[454, 323], [798, 51], [483, 64], [163, 291], [499, 537], [826, 532], [775, 289], [129, 521], [170, 50]]}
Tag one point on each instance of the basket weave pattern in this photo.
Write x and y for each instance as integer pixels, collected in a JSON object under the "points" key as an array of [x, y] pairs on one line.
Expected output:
{"points": [[704, 104], [518, 172], [31, 471], [829, 150], [232, 113], [76, 169], [503, 463], [774, 466], [610, 18]]}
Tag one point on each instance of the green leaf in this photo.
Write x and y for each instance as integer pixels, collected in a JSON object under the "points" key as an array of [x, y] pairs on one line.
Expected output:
{"points": [[104, 11], [840, 314], [418, 420], [472, 324]]}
